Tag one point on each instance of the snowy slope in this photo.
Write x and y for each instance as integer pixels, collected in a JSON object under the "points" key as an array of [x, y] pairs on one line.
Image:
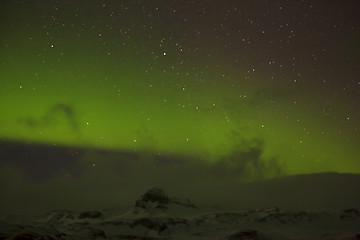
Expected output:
{"points": [[157, 216]]}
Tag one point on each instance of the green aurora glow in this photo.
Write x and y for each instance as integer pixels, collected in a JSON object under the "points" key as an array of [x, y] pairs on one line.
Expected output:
{"points": [[109, 85]]}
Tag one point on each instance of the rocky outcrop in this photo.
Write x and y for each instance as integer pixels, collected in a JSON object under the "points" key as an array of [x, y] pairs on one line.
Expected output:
{"points": [[156, 198], [90, 214], [245, 235]]}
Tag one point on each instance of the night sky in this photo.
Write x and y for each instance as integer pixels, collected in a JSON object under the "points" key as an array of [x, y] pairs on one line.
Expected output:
{"points": [[103, 95]]}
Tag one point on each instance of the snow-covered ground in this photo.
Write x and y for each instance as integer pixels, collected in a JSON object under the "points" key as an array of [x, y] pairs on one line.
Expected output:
{"points": [[157, 216]]}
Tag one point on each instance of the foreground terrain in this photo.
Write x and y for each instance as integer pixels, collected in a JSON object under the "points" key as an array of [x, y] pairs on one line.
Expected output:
{"points": [[157, 216]]}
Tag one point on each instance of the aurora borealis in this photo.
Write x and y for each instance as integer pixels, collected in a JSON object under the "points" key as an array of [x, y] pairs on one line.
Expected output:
{"points": [[273, 82]]}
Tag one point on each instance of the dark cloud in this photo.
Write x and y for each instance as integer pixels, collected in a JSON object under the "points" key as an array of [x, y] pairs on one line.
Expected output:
{"points": [[61, 110], [246, 162], [39, 162], [54, 117], [62, 177], [247, 165]]}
